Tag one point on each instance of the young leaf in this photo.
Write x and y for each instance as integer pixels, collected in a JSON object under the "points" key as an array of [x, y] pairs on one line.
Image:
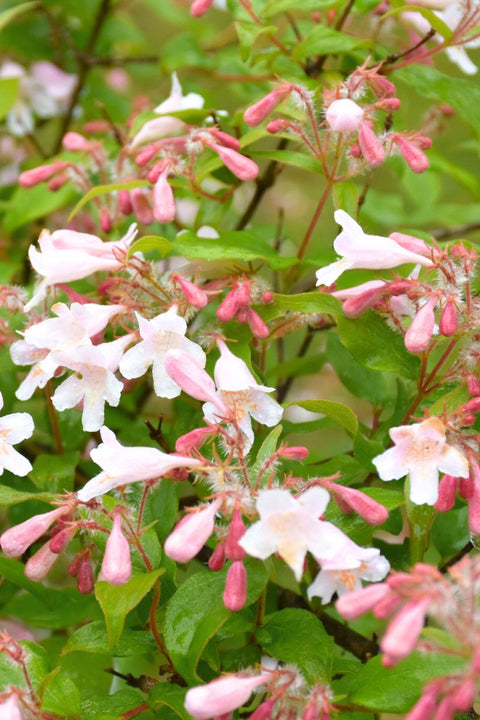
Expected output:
{"points": [[337, 411], [323, 40]]}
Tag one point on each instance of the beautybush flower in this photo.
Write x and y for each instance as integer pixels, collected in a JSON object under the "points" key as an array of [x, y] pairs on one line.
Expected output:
{"points": [[13, 429], [116, 566], [222, 696], [359, 250], [163, 333], [421, 452], [123, 465]]}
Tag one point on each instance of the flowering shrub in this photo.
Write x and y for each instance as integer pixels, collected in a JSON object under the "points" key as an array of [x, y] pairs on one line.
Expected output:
{"points": [[239, 447]]}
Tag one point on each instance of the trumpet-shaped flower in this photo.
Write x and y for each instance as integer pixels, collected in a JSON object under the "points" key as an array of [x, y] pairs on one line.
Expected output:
{"points": [[159, 335], [421, 452], [242, 395], [13, 429], [359, 250], [123, 465], [67, 255], [291, 526], [344, 572], [222, 696], [94, 381]]}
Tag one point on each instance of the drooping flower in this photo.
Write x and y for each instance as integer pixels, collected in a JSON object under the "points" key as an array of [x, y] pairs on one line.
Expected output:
{"points": [[291, 526], [359, 250], [122, 465], [421, 451], [67, 255], [191, 533], [222, 696], [163, 333], [242, 395]]}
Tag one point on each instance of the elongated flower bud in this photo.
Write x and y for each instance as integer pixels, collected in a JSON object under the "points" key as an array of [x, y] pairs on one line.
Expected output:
{"points": [[418, 335], [193, 440], [40, 174], [387, 606], [75, 142], [85, 579], [473, 385], [191, 533], [192, 378], [413, 156], [448, 320], [116, 565], [229, 306], [225, 139], [265, 710], [60, 541], [355, 306], [196, 297], [258, 112], [424, 709], [163, 201], [355, 604], [370, 145], [124, 202], [239, 165], [146, 154], [141, 206], [370, 510], [447, 489], [235, 593], [402, 633], [217, 558], [236, 531], [40, 564], [17, 539], [222, 696], [200, 7], [257, 326]]}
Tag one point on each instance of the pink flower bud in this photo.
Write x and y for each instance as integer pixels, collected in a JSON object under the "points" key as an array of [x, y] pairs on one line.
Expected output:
{"points": [[465, 695], [418, 335], [384, 85], [473, 385], [239, 165], [192, 378], [258, 112], [193, 440], [76, 142], [200, 7], [402, 633], [446, 709], [116, 565], [85, 579], [474, 500], [370, 145], [58, 182], [40, 564], [424, 142], [264, 711], [196, 297], [370, 510], [447, 489], [448, 319], [344, 115], [355, 151], [389, 104], [40, 174], [236, 531], [276, 126], [96, 126], [105, 220], [222, 695], [9, 709], [269, 297], [235, 593], [472, 406], [229, 306], [399, 287], [74, 568], [17, 539], [191, 533], [413, 156], [217, 558], [243, 293], [355, 604], [225, 139], [465, 487], [158, 169], [60, 541], [141, 206], [294, 452], [163, 201], [124, 203], [387, 606], [257, 326], [242, 315], [145, 155], [356, 305], [412, 243], [424, 709]]}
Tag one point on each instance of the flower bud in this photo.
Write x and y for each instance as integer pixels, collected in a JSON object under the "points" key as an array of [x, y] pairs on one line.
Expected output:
{"points": [[473, 385], [116, 566], [200, 7], [145, 155], [105, 220], [40, 564], [222, 695], [424, 709], [418, 335], [141, 206], [465, 695], [344, 115], [76, 142], [447, 489], [369, 509], [58, 182], [355, 604], [85, 579], [124, 203], [236, 531], [370, 145], [389, 104], [446, 709], [229, 306], [225, 139], [196, 297], [465, 487], [387, 606], [74, 568], [60, 541], [9, 709], [17, 539], [30, 178], [269, 297], [472, 406], [264, 711], [163, 201], [356, 305], [239, 165], [217, 558], [191, 533], [193, 440], [412, 243], [294, 452], [258, 112], [257, 326], [193, 379], [276, 126], [402, 633], [235, 593], [413, 156]]}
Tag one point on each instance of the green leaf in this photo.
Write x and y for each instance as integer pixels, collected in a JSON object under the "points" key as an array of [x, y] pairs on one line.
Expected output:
{"points": [[196, 612], [297, 636], [274, 7], [345, 197], [308, 303], [27, 204], [362, 382], [10, 496], [267, 449], [111, 707], [92, 638], [248, 33], [150, 242], [117, 601], [103, 189], [11, 14], [172, 696], [8, 93], [323, 40], [395, 690], [289, 157], [376, 346], [61, 697], [55, 472], [437, 23], [337, 411], [461, 93]]}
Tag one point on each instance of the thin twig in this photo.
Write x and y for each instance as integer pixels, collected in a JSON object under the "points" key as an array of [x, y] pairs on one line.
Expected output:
{"points": [[446, 233], [392, 59]]}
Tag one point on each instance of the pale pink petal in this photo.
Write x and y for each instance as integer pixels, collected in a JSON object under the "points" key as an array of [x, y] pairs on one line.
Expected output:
{"points": [[392, 464], [265, 409], [324, 586], [16, 427], [271, 502], [11, 460], [453, 462], [314, 501], [424, 484], [258, 542]]}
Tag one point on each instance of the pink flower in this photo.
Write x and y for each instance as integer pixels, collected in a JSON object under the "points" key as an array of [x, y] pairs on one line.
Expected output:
{"points": [[344, 115], [419, 334], [402, 633], [123, 465], [163, 200], [359, 250], [9, 709], [116, 565], [192, 378], [40, 564], [13, 429], [17, 539], [354, 604], [222, 696], [191, 533], [235, 593], [66, 255], [421, 452], [257, 113]]}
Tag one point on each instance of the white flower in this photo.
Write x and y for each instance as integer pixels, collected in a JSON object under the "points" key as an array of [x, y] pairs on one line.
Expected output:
{"points": [[13, 429], [344, 572], [359, 250], [123, 465], [242, 395], [163, 333], [291, 526], [421, 452]]}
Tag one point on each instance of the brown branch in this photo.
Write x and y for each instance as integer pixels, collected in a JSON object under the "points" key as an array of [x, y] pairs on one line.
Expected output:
{"points": [[444, 234], [391, 59], [121, 60]]}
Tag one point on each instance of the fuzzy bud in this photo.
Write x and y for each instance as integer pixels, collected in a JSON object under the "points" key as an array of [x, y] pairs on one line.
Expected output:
{"points": [[413, 156], [344, 115], [419, 334], [447, 490], [196, 297], [116, 565], [191, 533], [163, 201], [236, 531], [448, 320], [235, 593], [17, 539], [239, 165], [257, 113], [370, 145], [257, 326], [40, 564], [40, 174]]}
